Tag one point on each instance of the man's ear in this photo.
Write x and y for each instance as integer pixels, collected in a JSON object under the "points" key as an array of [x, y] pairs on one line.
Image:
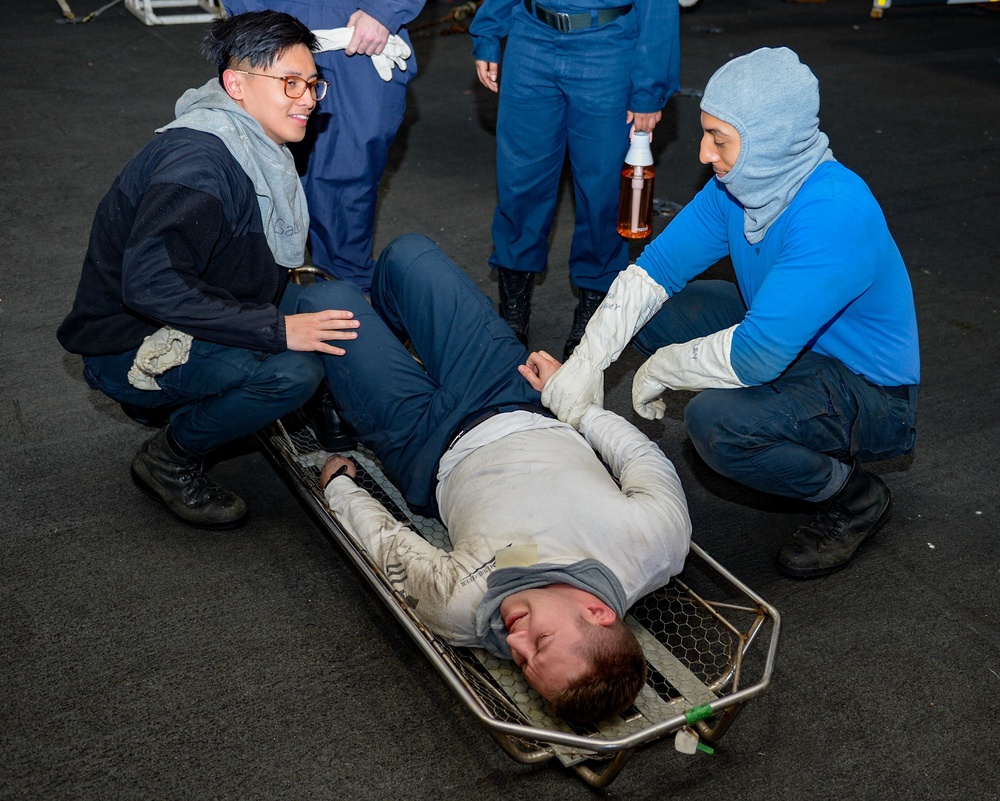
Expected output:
{"points": [[232, 82], [600, 614]]}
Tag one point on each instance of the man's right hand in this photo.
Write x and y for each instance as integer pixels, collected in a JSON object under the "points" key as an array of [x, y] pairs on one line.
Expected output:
{"points": [[486, 71], [312, 331]]}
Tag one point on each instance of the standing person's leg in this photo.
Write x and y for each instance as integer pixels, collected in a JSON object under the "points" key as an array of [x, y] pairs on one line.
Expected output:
{"points": [[598, 94], [531, 145], [355, 124]]}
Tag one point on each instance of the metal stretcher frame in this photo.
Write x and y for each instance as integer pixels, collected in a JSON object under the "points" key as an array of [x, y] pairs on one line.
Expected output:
{"points": [[594, 756]]}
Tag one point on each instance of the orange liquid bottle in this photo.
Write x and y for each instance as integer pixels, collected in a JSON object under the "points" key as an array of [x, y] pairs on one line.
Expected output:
{"points": [[635, 199]]}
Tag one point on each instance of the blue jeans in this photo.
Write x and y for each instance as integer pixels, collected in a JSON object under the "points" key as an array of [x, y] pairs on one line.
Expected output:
{"points": [[408, 414], [791, 436], [221, 394], [563, 93]]}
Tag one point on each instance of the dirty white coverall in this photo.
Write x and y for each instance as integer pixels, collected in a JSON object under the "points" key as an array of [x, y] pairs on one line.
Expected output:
{"points": [[524, 479]]}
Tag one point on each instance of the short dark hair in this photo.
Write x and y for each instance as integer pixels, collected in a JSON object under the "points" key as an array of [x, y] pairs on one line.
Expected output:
{"points": [[256, 39], [616, 675]]}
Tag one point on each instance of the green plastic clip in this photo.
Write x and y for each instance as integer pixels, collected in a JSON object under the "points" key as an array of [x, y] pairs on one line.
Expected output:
{"points": [[696, 713]]}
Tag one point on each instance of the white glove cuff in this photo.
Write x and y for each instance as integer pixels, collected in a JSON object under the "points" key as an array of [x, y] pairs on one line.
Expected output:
{"points": [[631, 302], [702, 363]]}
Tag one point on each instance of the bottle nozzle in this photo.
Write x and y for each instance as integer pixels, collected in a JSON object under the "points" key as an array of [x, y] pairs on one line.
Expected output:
{"points": [[639, 154]]}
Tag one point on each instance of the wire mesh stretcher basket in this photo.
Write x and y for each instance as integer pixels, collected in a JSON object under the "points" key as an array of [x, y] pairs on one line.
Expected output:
{"points": [[709, 640]]}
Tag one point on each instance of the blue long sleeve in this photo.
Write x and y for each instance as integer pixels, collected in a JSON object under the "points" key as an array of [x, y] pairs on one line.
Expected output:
{"points": [[826, 277]]}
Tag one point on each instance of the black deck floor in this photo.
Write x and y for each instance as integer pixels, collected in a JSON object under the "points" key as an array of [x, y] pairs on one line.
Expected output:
{"points": [[143, 659]]}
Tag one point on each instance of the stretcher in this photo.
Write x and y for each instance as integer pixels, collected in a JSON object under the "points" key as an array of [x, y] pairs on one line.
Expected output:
{"points": [[710, 641]]}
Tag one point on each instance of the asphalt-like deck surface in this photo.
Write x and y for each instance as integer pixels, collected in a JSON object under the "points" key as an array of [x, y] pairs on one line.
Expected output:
{"points": [[143, 659]]}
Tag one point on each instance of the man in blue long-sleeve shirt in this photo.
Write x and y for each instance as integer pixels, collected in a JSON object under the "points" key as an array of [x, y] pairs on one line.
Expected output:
{"points": [[806, 367]]}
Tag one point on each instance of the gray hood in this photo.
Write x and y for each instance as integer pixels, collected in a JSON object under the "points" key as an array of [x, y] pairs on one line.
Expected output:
{"points": [[772, 100]]}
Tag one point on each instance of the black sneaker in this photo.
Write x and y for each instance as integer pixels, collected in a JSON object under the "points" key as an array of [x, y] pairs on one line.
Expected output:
{"points": [[830, 540]]}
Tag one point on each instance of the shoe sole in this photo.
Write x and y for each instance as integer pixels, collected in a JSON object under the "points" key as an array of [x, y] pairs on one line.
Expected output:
{"points": [[820, 572], [152, 493]]}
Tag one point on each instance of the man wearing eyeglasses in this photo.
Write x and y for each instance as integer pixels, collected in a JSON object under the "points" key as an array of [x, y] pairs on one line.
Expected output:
{"points": [[181, 306], [346, 152]]}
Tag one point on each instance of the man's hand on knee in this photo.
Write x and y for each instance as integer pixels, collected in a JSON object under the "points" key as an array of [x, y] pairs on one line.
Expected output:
{"points": [[313, 331]]}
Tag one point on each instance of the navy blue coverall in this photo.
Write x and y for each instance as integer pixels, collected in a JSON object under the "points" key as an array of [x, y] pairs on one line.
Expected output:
{"points": [[571, 89]]}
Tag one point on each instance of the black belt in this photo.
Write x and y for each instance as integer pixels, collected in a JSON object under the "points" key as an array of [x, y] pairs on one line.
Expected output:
{"points": [[483, 415], [566, 23], [900, 391]]}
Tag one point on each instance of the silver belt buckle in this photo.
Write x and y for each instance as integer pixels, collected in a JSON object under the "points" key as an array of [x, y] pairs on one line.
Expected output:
{"points": [[564, 26]]}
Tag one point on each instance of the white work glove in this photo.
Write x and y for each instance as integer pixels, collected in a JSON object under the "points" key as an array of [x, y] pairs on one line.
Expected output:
{"points": [[702, 363], [159, 352], [395, 53], [631, 301]]}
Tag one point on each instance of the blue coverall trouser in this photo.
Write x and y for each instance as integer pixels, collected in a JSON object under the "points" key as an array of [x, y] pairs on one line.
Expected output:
{"points": [[563, 92]]}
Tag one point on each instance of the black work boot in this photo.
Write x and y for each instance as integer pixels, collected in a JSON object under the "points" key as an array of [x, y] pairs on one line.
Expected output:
{"points": [[332, 431], [585, 308], [515, 300], [829, 541], [167, 474]]}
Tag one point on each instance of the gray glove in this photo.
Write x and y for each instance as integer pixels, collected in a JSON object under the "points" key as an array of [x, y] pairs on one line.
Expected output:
{"points": [[159, 352]]}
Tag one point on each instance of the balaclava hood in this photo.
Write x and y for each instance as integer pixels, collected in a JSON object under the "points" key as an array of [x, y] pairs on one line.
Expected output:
{"points": [[772, 100], [270, 166]]}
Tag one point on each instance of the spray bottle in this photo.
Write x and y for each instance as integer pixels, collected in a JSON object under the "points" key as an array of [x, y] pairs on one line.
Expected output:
{"points": [[635, 203]]}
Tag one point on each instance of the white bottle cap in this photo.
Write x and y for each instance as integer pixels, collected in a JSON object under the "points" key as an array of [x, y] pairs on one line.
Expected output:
{"points": [[639, 154]]}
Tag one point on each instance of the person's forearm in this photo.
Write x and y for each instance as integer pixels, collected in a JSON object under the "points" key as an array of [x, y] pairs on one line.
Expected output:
{"points": [[420, 571], [656, 61]]}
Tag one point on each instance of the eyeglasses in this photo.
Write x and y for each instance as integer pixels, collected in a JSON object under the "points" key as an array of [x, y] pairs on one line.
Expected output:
{"points": [[295, 86]]}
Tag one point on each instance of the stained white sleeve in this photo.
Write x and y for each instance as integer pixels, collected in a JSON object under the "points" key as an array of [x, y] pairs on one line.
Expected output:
{"points": [[441, 587]]}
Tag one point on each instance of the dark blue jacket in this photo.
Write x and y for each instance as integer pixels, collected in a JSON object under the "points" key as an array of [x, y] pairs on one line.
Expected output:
{"points": [[178, 240]]}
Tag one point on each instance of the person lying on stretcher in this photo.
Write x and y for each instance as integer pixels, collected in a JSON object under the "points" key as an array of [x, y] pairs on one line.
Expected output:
{"points": [[550, 547]]}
